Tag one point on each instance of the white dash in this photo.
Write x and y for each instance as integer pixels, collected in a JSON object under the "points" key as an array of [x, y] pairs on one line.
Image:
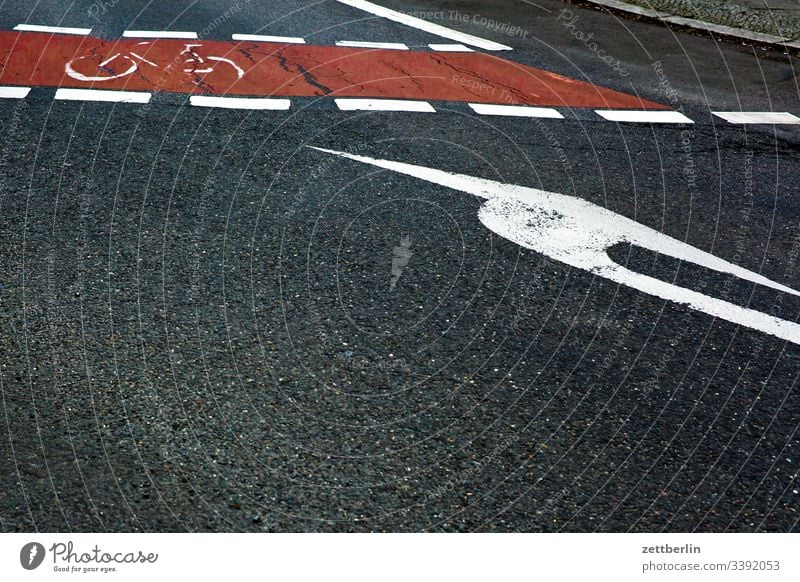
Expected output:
{"points": [[421, 24], [397, 46], [515, 110], [643, 116], [102, 95], [54, 29], [14, 92], [240, 102], [450, 48], [384, 105], [159, 34], [768, 117], [266, 38]]}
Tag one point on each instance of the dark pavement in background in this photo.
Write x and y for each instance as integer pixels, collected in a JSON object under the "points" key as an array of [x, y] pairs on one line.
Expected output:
{"points": [[197, 330]]}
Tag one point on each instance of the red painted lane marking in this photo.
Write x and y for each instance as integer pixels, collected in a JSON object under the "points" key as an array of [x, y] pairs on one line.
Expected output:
{"points": [[270, 69]]}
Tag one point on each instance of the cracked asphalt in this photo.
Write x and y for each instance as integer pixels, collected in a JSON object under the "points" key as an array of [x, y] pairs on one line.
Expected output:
{"points": [[207, 326]]}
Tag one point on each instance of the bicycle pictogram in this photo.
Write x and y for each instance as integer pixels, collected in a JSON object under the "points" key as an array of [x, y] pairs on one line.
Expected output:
{"points": [[198, 61], [124, 64], [106, 70]]}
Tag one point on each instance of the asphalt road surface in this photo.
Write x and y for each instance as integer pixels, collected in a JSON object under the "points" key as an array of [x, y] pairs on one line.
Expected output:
{"points": [[207, 325]]}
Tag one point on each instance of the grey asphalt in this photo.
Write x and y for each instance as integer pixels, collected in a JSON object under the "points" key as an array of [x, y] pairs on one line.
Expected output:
{"points": [[197, 330], [776, 17]]}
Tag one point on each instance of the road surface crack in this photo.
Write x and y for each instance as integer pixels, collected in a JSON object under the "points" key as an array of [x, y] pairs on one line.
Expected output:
{"points": [[307, 75], [407, 74], [509, 88]]}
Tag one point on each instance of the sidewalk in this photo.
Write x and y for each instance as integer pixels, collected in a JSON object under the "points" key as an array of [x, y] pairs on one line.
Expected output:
{"points": [[772, 22]]}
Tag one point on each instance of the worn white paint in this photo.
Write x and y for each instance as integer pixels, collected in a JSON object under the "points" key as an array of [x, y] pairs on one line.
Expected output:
{"points": [[53, 29], [141, 58], [426, 26], [267, 103], [384, 105], [195, 59], [69, 69], [451, 48], [267, 38], [159, 34], [579, 233], [14, 92], [515, 110], [397, 46], [239, 70], [766, 117], [102, 95], [633, 116]]}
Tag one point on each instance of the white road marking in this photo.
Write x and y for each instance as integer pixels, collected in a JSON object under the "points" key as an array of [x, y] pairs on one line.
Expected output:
{"points": [[579, 233], [384, 105], [267, 38], [769, 117], [54, 29], [141, 58], [70, 69], [626, 115], [102, 95], [398, 46], [515, 110], [239, 70], [14, 92], [240, 102], [451, 48], [426, 26], [159, 34]]}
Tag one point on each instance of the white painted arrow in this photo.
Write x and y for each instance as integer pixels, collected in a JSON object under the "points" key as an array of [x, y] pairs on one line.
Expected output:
{"points": [[579, 233]]}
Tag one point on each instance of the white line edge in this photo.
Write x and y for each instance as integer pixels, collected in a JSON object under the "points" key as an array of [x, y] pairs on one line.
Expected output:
{"points": [[102, 95]]}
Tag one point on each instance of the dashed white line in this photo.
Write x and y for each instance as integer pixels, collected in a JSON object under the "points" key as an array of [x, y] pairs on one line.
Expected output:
{"points": [[426, 26], [159, 34], [515, 110], [398, 46], [102, 95], [267, 38], [14, 92], [451, 48], [54, 29], [767, 117], [268, 103], [626, 115], [384, 105]]}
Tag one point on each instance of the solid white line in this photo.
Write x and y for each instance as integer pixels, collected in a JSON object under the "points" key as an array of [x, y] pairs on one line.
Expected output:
{"points": [[451, 48], [56, 29], [643, 116], [159, 34], [769, 117], [266, 38], [398, 46], [240, 102], [14, 92], [102, 95], [384, 105], [515, 110], [430, 27]]}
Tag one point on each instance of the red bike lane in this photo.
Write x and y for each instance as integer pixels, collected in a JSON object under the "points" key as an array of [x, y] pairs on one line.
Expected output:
{"points": [[270, 69]]}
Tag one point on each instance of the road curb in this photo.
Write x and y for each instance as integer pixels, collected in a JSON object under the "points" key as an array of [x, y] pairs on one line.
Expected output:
{"points": [[730, 33]]}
